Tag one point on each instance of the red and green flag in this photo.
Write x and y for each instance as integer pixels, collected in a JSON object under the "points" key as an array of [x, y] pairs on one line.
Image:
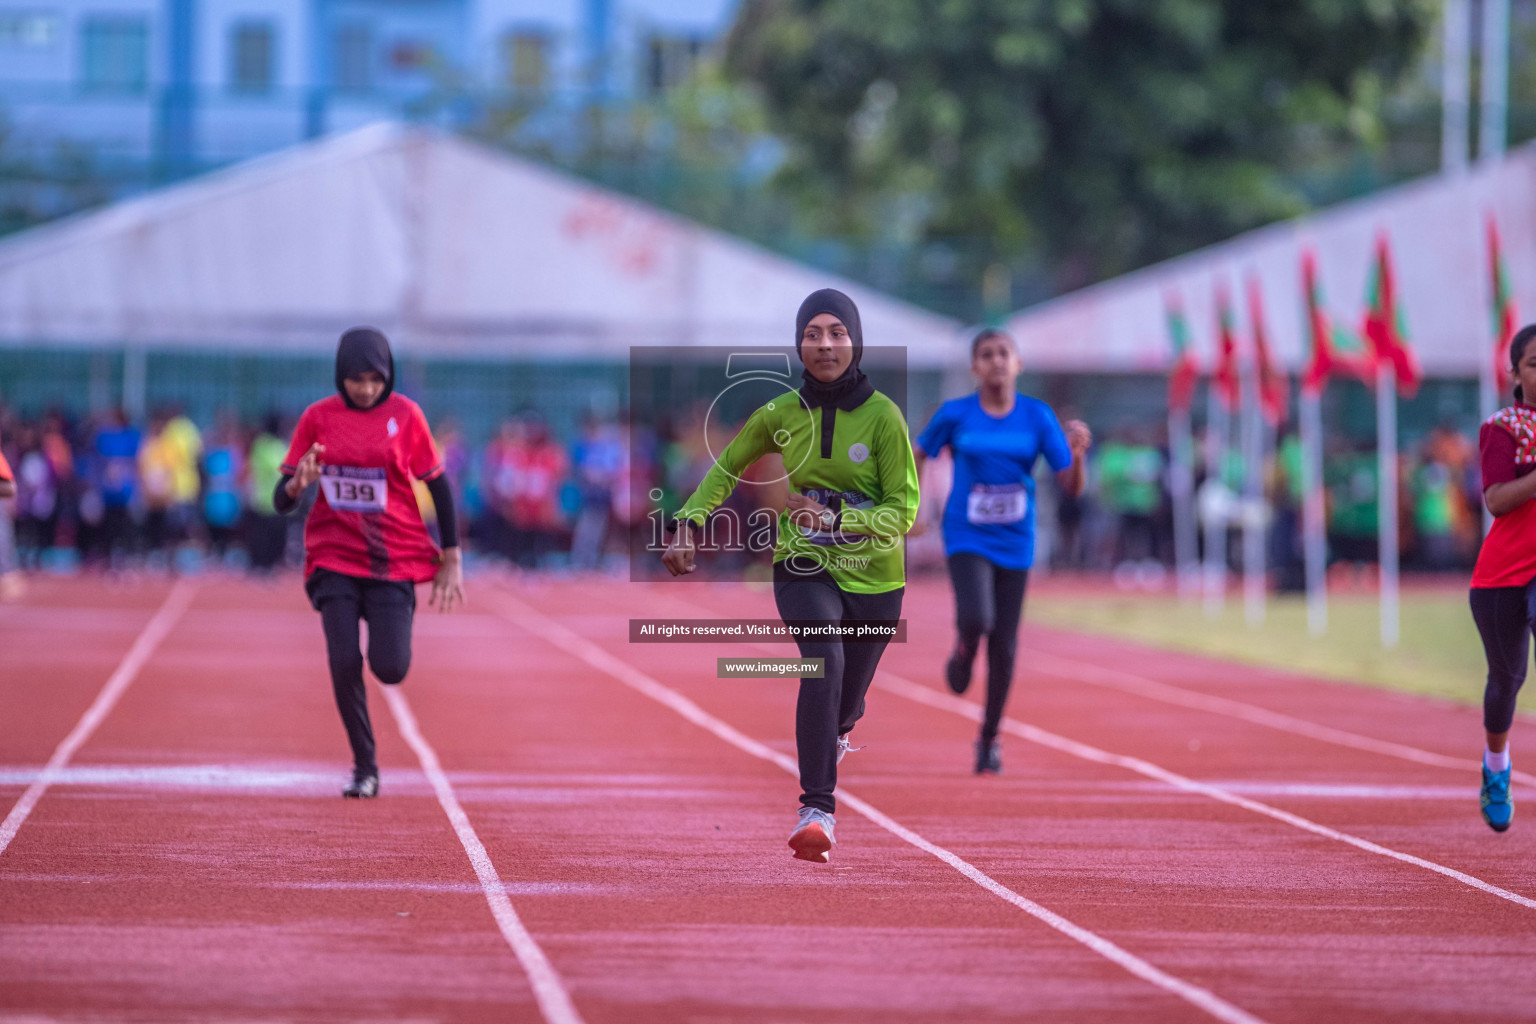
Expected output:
{"points": [[1184, 372], [1274, 385], [1331, 349], [1225, 379], [1384, 323], [1503, 305]]}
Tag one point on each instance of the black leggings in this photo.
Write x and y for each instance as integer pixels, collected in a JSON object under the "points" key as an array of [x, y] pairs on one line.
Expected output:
{"points": [[829, 707], [1504, 617], [988, 601], [389, 606]]}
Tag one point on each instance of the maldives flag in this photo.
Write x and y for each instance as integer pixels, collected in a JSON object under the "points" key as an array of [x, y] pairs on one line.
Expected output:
{"points": [[1503, 307], [1331, 349], [1274, 386], [1384, 323], [1184, 372], [1225, 378]]}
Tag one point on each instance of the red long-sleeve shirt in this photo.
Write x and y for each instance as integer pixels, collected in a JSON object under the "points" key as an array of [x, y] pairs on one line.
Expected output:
{"points": [[366, 521]]}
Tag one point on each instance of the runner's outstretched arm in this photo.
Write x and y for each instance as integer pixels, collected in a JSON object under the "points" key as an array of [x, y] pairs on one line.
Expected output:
{"points": [[1079, 438], [448, 585], [285, 496]]}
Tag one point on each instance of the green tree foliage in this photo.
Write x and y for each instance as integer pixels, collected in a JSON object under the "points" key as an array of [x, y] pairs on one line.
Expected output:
{"points": [[1097, 135], [36, 188]]}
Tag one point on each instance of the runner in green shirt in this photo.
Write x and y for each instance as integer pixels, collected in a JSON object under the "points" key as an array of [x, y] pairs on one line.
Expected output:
{"points": [[266, 532], [1352, 497], [839, 555], [1435, 499]]}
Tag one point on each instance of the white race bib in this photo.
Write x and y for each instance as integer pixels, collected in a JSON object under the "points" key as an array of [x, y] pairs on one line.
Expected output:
{"points": [[832, 499], [354, 489], [996, 504]]}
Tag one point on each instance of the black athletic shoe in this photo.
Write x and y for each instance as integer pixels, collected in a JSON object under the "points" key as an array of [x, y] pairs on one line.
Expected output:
{"points": [[958, 676], [365, 786], [989, 758]]}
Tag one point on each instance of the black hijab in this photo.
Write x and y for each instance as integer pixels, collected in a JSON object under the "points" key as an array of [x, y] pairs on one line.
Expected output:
{"points": [[362, 349], [850, 390]]}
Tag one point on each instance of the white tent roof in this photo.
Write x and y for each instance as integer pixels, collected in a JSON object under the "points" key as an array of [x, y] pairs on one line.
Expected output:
{"points": [[1436, 229], [449, 247]]}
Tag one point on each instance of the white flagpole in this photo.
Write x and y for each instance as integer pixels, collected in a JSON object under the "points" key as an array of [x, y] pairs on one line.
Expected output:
{"points": [[1253, 493], [1216, 430], [1181, 486], [1487, 385], [1488, 404], [1314, 538], [1455, 85], [1386, 469], [1492, 127]]}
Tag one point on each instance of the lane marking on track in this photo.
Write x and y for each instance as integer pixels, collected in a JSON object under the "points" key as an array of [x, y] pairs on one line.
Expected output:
{"points": [[1129, 682], [933, 698], [550, 992], [155, 630], [525, 788], [896, 684], [922, 694], [556, 634]]}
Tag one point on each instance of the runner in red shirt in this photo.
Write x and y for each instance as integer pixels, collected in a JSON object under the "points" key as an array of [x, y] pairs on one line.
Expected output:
{"points": [[365, 545], [10, 572], [1503, 594], [7, 479]]}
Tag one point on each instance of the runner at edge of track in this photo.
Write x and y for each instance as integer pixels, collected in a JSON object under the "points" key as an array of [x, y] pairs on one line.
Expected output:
{"points": [[1503, 594], [995, 435], [365, 544], [839, 557], [7, 479], [11, 585]]}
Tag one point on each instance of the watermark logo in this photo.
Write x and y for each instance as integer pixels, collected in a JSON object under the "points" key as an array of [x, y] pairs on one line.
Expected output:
{"points": [[689, 405], [762, 379]]}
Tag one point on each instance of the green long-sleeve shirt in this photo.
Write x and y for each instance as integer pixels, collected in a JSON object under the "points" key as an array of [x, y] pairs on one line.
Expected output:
{"points": [[868, 476]]}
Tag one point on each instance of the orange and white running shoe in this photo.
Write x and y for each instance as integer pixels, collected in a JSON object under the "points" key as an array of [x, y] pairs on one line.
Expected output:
{"points": [[812, 838]]}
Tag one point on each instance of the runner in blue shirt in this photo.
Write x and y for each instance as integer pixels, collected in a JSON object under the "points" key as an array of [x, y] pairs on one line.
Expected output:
{"points": [[995, 435]]}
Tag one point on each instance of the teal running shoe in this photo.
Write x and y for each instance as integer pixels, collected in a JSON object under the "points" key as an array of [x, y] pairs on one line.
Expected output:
{"points": [[1497, 808]]}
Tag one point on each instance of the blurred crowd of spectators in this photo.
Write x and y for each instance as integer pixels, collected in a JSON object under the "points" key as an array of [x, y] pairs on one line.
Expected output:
{"points": [[172, 495], [1125, 514], [112, 493]]}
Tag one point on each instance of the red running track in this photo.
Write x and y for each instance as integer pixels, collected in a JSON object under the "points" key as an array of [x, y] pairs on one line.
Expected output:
{"points": [[1149, 853]]}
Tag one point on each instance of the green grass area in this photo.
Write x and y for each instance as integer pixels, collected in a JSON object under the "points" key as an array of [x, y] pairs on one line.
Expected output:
{"points": [[1439, 653]]}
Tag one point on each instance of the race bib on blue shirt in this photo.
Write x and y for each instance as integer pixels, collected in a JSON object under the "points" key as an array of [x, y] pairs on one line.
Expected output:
{"points": [[996, 504]]}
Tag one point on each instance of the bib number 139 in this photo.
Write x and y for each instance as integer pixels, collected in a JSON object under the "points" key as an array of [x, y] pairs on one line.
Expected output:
{"points": [[354, 489]]}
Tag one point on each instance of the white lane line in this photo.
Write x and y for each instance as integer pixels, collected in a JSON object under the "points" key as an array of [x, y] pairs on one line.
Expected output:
{"points": [[550, 992], [149, 638], [578, 646], [888, 680], [206, 778], [1128, 682], [904, 687], [933, 698], [523, 787]]}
